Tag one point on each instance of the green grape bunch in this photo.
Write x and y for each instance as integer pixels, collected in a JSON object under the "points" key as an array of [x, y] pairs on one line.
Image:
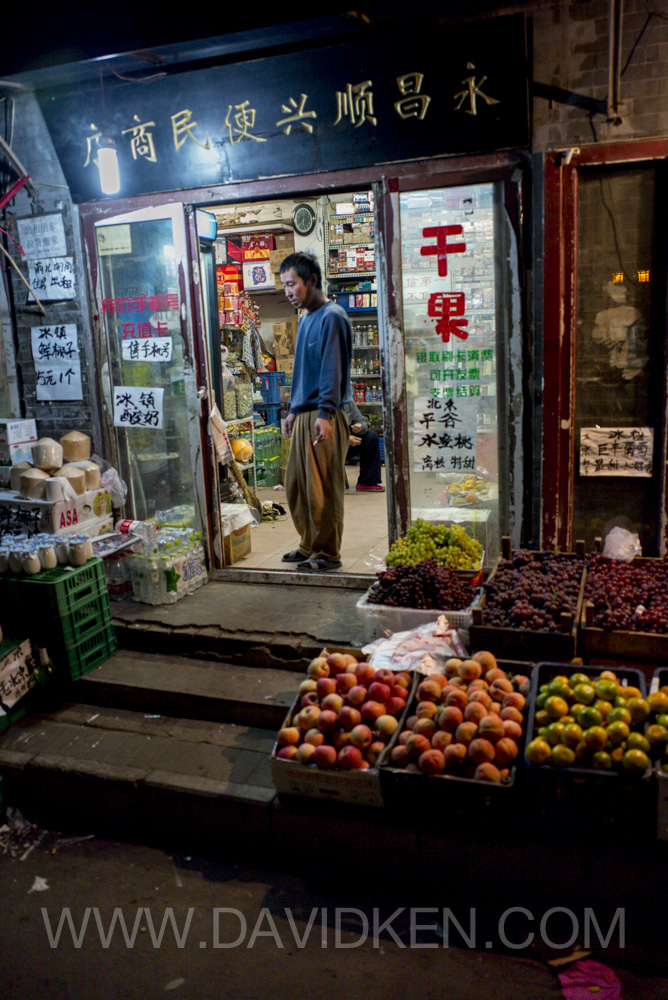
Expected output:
{"points": [[447, 546]]}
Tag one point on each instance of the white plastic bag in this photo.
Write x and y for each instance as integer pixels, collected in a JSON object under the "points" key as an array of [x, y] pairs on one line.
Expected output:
{"points": [[426, 648], [111, 481], [622, 544]]}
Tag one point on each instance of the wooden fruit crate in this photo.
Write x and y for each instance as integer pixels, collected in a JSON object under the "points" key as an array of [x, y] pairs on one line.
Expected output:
{"points": [[527, 644]]}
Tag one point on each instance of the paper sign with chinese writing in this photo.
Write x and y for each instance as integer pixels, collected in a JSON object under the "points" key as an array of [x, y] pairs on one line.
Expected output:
{"points": [[444, 434], [42, 236], [17, 674], [51, 278], [55, 350], [148, 349], [616, 451], [114, 239], [137, 406]]}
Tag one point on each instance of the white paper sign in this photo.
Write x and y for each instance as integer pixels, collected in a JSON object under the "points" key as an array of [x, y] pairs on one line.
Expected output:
{"points": [[55, 350], [137, 406], [147, 349], [42, 236], [17, 674], [59, 380], [114, 239], [51, 278], [616, 451], [444, 434]]}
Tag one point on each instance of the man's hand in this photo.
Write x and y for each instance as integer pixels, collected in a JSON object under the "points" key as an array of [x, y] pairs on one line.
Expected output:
{"points": [[323, 428], [287, 426], [356, 428], [354, 441]]}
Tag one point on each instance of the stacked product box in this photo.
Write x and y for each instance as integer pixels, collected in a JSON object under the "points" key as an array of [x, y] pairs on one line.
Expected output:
{"points": [[90, 512], [16, 440]]}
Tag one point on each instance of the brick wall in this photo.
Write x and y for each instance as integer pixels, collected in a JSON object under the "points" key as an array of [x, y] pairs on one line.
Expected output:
{"points": [[34, 149]]}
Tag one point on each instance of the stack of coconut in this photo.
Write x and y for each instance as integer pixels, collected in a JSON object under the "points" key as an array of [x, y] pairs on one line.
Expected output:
{"points": [[57, 469]]}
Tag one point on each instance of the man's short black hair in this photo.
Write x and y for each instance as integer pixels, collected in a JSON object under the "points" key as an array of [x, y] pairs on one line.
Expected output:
{"points": [[303, 264]]}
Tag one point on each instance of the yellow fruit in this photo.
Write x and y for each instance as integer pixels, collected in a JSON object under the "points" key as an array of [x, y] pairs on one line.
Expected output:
{"points": [[636, 761], [562, 756], [556, 707], [241, 449], [538, 751]]}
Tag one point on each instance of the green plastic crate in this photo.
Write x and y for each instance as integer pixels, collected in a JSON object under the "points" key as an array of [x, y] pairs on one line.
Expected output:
{"points": [[77, 659]]}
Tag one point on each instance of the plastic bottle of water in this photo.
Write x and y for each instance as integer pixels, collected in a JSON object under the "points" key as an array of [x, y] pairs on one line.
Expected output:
{"points": [[116, 579], [138, 579], [169, 581], [154, 578]]}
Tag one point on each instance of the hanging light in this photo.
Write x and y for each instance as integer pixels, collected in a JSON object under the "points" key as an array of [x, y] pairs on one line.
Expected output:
{"points": [[110, 181]]}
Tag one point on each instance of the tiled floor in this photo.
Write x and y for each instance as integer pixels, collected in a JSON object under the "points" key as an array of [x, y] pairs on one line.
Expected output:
{"points": [[365, 538]]}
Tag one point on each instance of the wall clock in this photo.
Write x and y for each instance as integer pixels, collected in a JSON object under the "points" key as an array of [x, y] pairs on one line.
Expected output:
{"points": [[303, 219]]}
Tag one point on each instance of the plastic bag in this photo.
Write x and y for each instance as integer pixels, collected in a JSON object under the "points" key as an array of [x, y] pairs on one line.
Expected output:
{"points": [[111, 481], [622, 544], [218, 430], [425, 648]]}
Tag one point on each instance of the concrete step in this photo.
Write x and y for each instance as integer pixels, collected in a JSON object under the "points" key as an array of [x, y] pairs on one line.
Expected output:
{"points": [[190, 688]]}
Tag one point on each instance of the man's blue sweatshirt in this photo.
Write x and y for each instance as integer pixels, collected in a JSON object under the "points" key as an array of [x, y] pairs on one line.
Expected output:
{"points": [[321, 373]]}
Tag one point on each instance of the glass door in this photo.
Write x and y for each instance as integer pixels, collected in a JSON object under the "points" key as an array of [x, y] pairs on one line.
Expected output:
{"points": [[457, 332], [151, 396]]}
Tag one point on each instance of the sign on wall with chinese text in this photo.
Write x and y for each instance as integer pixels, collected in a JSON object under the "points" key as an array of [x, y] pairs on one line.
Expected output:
{"points": [[616, 451], [452, 89]]}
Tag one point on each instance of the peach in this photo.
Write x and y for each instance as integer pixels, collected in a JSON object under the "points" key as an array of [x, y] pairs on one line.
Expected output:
{"points": [[514, 700], [318, 668], [475, 711], [456, 682], [310, 698], [350, 758], [337, 663], [404, 679], [345, 682], [451, 665], [404, 736], [308, 685], [399, 691], [522, 684], [349, 717], [440, 740], [429, 690], [499, 688], [340, 738], [305, 753], [466, 732], [364, 766], [315, 737], [512, 729], [440, 679], [361, 736], [332, 702], [410, 721], [469, 670], [458, 698], [505, 751], [325, 756], [374, 751], [399, 756], [495, 708], [449, 717], [308, 717], [426, 727], [487, 772], [380, 692], [384, 676], [504, 772], [386, 725], [413, 768], [365, 673], [288, 736], [481, 751], [395, 706], [357, 695], [431, 762], [513, 714], [372, 710], [491, 727], [417, 745], [480, 684], [325, 686], [287, 753], [481, 697], [486, 659], [454, 755], [495, 674], [352, 668], [327, 721], [426, 710]]}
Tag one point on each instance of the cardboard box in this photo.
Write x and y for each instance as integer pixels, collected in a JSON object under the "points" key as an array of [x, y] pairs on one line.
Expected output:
{"points": [[12, 454], [17, 431], [285, 242], [237, 544], [258, 275], [53, 516], [285, 363], [285, 335], [276, 258]]}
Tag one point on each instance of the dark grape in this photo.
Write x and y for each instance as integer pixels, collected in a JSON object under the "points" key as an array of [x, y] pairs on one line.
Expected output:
{"points": [[425, 585]]}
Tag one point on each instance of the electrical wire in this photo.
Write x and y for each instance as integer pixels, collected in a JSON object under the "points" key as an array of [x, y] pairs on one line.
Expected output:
{"points": [[615, 236]]}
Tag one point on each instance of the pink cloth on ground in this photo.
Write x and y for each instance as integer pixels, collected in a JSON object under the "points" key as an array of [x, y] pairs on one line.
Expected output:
{"points": [[577, 982]]}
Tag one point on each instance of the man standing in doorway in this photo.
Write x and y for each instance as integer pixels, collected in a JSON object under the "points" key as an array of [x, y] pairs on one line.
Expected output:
{"points": [[317, 422]]}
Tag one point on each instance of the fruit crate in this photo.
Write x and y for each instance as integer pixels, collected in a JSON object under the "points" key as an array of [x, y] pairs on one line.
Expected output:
{"points": [[532, 645], [597, 643], [351, 787], [404, 789], [59, 591], [659, 679], [378, 620], [74, 661]]}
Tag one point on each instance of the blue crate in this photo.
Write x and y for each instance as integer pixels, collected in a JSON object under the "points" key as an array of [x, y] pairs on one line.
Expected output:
{"points": [[381, 442], [269, 385], [272, 413]]}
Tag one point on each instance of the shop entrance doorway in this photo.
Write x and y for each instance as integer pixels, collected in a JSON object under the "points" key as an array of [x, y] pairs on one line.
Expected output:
{"points": [[250, 331]]}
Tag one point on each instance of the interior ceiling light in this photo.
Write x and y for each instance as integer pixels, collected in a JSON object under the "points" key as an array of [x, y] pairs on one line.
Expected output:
{"points": [[110, 181]]}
